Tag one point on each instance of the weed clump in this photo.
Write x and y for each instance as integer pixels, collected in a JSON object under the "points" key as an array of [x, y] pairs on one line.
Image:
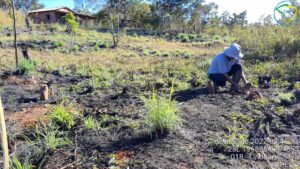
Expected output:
{"points": [[49, 137], [75, 48], [58, 44], [17, 164], [91, 123], [285, 98], [26, 67], [62, 116], [161, 116], [183, 37]]}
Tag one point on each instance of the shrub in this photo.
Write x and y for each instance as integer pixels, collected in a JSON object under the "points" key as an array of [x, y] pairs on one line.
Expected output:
{"points": [[63, 116], [161, 116], [26, 66], [70, 20], [192, 36]]}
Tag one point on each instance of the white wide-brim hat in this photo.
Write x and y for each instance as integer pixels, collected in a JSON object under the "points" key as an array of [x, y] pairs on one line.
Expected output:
{"points": [[234, 51]]}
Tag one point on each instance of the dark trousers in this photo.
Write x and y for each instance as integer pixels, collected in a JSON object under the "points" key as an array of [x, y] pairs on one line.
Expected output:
{"points": [[220, 79]]}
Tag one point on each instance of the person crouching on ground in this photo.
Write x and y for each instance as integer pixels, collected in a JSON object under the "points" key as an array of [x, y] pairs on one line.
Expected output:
{"points": [[225, 65]]}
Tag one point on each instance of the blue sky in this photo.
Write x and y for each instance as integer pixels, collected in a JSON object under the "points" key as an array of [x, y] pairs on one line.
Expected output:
{"points": [[255, 8], [57, 3]]}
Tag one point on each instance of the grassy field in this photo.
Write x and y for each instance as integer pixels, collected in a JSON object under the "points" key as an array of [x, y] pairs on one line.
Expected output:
{"points": [[144, 104]]}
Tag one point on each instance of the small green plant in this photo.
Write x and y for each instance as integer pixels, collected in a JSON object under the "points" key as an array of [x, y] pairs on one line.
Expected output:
{"points": [[285, 98], [183, 37], [58, 44], [49, 137], [17, 164], [62, 115], [75, 48], [91, 123], [70, 20], [236, 136], [260, 103], [161, 116], [297, 86], [280, 110], [26, 67]]}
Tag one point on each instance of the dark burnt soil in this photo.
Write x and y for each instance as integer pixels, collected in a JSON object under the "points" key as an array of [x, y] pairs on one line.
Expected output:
{"points": [[122, 140]]}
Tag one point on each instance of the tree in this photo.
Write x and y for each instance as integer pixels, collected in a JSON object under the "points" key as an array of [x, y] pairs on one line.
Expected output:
{"points": [[239, 19], [87, 6], [225, 19], [70, 20], [25, 5], [266, 20]]}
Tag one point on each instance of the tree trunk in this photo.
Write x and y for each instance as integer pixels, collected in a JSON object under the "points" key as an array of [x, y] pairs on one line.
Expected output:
{"points": [[113, 32], [15, 33], [4, 143]]}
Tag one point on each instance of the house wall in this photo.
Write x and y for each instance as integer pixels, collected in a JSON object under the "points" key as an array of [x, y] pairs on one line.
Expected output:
{"points": [[49, 17], [45, 17]]}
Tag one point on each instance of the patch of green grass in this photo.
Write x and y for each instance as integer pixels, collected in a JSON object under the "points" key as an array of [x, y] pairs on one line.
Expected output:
{"points": [[261, 103], [17, 164], [183, 37], [75, 48], [280, 110], [91, 123], [58, 44], [26, 67], [63, 116], [49, 137], [297, 86], [285, 98], [161, 116], [236, 136], [145, 52]]}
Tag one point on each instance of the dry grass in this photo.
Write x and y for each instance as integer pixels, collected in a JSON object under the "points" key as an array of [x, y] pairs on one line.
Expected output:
{"points": [[6, 21]]}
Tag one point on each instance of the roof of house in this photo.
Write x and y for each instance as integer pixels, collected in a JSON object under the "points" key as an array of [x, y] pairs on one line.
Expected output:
{"points": [[61, 10]]}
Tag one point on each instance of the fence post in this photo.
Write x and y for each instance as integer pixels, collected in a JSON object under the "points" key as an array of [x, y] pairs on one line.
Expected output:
{"points": [[3, 138]]}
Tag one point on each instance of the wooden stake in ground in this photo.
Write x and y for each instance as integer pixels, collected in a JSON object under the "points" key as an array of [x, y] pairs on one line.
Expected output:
{"points": [[44, 92], [4, 138], [15, 32]]}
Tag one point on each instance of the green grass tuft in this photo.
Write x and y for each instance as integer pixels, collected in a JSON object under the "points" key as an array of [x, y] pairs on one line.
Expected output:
{"points": [[26, 67], [161, 116], [62, 115], [91, 123]]}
